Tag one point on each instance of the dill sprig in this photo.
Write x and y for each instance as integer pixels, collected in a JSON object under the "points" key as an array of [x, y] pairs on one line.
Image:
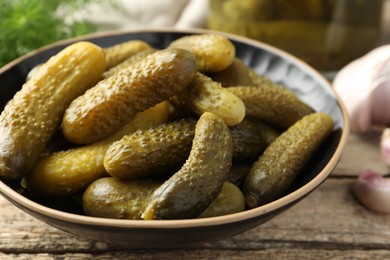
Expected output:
{"points": [[29, 24]]}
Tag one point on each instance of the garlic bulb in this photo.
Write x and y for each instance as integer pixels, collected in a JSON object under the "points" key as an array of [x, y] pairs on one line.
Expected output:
{"points": [[364, 87], [373, 191], [385, 145]]}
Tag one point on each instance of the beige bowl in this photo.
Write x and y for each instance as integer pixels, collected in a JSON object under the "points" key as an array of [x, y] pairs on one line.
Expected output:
{"points": [[279, 66]]}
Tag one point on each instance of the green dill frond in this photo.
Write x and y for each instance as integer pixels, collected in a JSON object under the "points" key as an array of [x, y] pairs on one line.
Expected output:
{"points": [[29, 24]]}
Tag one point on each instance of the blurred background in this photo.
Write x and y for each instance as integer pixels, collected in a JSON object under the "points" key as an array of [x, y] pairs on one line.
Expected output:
{"points": [[327, 34]]}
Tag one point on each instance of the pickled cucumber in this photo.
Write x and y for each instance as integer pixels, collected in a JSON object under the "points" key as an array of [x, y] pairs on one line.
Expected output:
{"points": [[230, 200], [32, 117], [238, 172], [193, 188], [275, 170], [268, 133], [213, 52], [274, 105], [259, 80], [247, 141], [154, 151], [109, 105], [128, 62], [120, 52], [237, 74], [65, 173], [114, 198], [126, 199], [250, 138], [209, 96]]}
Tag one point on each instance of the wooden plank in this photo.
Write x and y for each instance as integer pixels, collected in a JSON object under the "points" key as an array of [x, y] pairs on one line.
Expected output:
{"points": [[328, 219], [362, 152], [280, 253]]}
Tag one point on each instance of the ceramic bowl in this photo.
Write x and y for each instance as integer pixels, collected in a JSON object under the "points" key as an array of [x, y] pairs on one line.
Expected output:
{"points": [[279, 66]]}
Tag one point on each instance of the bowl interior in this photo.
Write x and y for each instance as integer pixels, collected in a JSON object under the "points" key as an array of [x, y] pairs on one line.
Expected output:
{"points": [[265, 60]]}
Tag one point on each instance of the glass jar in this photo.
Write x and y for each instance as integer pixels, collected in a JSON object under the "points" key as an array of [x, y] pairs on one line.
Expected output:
{"points": [[327, 34]]}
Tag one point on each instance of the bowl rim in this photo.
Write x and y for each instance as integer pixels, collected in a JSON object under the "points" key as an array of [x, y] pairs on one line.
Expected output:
{"points": [[301, 192]]}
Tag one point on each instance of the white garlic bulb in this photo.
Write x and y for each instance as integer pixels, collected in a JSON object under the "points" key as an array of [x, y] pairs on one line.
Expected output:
{"points": [[364, 87]]}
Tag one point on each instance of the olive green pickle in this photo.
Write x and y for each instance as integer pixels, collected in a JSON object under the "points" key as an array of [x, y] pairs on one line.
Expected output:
{"points": [[275, 170]]}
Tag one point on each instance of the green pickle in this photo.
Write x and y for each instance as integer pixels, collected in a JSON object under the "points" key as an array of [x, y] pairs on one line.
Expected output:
{"points": [[213, 52], [31, 117], [238, 172], [272, 104], [151, 152], [237, 74], [247, 141], [197, 184], [230, 200], [126, 199], [119, 52], [114, 198], [107, 106], [207, 95], [268, 133], [134, 58], [275, 170], [69, 171]]}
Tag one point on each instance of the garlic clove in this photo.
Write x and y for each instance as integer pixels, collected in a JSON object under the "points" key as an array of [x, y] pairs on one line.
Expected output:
{"points": [[385, 145], [373, 191]]}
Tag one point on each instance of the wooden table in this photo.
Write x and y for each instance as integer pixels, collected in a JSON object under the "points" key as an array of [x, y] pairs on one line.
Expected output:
{"points": [[328, 224]]}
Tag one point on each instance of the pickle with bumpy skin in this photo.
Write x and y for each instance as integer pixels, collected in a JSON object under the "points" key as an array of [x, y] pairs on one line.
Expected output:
{"points": [[106, 107], [275, 105], [275, 170], [195, 186], [213, 52], [128, 62], [121, 51], [209, 96], [259, 80], [126, 199], [237, 74], [268, 133], [238, 172], [152, 151], [32, 117], [230, 200], [247, 141], [120, 199], [65, 173]]}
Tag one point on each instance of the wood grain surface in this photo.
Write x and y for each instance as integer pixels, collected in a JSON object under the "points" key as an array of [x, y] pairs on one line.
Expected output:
{"points": [[329, 224]]}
